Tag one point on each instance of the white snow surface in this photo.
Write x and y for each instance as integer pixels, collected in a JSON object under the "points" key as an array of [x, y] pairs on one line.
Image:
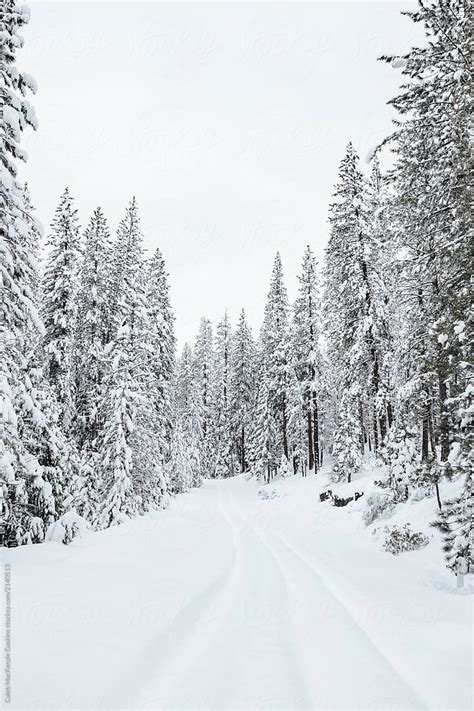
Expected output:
{"points": [[227, 600]]}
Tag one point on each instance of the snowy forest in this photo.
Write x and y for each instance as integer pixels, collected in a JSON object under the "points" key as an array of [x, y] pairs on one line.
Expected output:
{"points": [[103, 421]]}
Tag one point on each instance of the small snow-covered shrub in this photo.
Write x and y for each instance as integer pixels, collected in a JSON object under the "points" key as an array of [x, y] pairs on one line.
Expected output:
{"points": [[423, 492], [379, 505], [265, 494], [284, 467], [399, 539], [346, 446], [68, 527]]}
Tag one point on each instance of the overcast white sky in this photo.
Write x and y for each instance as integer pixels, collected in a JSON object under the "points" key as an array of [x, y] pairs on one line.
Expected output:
{"points": [[226, 120]]}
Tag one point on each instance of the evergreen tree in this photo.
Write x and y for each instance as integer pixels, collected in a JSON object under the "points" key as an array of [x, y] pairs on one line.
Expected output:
{"points": [[30, 450], [59, 303], [203, 366], [91, 325], [275, 345], [222, 394], [263, 438], [163, 347], [356, 324], [402, 459], [179, 465], [456, 519], [306, 357], [31, 244], [126, 264], [119, 499], [298, 425], [186, 411], [243, 384], [130, 462], [51, 457], [346, 448], [433, 133], [432, 205]]}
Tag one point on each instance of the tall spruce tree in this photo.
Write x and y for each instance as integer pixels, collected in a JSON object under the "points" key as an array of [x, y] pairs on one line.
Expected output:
{"points": [[431, 175], [222, 394], [306, 356], [59, 303], [264, 437], [119, 498], [163, 348], [186, 413], [91, 325], [352, 323], [32, 455], [243, 385], [275, 356], [127, 262], [203, 366]]}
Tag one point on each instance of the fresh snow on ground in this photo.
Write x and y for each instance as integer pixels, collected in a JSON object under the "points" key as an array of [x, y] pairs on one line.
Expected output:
{"points": [[231, 599]]}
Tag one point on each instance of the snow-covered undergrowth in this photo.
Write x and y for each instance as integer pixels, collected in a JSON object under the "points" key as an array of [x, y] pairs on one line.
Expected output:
{"points": [[228, 600], [407, 604], [376, 507]]}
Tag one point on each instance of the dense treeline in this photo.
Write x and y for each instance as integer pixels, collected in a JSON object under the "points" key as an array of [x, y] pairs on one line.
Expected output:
{"points": [[99, 420]]}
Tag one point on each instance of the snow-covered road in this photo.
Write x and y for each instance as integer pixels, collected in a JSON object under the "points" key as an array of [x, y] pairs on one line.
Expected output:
{"points": [[228, 601]]}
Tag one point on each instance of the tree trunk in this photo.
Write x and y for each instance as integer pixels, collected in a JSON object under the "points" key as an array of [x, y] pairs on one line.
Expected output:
{"points": [[376, 432], [315, 433], [425, 434], [362, 436], [444, 421], [242, 450], [285, 432], [310, 441]]}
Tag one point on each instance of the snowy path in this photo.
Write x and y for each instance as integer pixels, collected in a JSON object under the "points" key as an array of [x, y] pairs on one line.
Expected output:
{"points": [[220, 602]]}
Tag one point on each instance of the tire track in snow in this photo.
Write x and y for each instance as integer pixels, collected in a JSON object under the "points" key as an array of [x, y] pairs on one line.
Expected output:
{"points": [[163, 665], [246, 660], [291, 668], [403, 698]]}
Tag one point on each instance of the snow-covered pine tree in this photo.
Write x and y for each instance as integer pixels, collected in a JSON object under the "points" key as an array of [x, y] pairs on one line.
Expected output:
{"points": [[119, 498], [353, 318], [306, 356], [52, 458], [149, 438], [298, 424], [243, 385], [126, 263], [179, 466], [30, 453], [163, 345], [263, 437], [434, 162], [275, 345], [402, 459], [130, 468], [203, 368], [346, 449], [456, 519], [31, 243], [59, 291], [91, 325], [221, 396], [380, 279], [185, 389], [186, 411]]}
